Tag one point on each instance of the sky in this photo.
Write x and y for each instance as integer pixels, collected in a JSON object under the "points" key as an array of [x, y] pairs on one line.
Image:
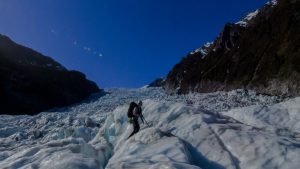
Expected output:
{"points": [[119, 43]]}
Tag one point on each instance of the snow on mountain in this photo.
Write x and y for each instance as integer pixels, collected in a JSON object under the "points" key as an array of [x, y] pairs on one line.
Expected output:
{"points": [[244, 22], [204, 50], [209, 131], [249, 17], [272, 2]]}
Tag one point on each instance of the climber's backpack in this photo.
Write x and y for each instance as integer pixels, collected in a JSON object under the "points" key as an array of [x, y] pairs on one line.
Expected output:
{"points": [[130, 109]]}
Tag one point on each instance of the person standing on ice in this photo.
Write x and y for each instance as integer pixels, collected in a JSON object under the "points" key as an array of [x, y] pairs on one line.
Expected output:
{"points": [[134, 112]]}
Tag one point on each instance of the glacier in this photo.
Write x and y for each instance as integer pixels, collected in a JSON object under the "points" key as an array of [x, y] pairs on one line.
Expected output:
{"points": [[238, 129]]}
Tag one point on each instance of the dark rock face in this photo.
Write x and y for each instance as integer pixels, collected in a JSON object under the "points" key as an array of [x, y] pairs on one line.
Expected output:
{"points": [[264, 55], [157, 83], [31, 83]]}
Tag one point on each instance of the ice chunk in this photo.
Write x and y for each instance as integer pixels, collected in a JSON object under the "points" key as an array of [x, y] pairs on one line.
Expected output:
{"points": [[152, 148]]}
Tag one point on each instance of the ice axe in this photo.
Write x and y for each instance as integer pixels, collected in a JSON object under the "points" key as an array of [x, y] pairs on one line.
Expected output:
{"points": [[145, 121]]}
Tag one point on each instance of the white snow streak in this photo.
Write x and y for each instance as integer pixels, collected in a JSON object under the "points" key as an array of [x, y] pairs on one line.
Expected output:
{"points": [[244, 22]]}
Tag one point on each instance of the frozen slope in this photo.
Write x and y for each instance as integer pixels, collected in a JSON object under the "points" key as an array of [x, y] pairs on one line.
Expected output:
{"points": [[190, 137], [282, 118], [215, 130]]}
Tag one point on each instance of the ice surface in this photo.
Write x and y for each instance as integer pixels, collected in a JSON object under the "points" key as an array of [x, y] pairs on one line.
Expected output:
{"points": [[236, 129], [284, 116]]}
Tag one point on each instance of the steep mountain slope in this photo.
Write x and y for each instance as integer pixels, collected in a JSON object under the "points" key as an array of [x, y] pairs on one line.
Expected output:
{"points": [[260, 52], [159, 82], [31, 82]]}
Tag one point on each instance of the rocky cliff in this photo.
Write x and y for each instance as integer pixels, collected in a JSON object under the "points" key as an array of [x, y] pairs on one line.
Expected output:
{"points": [[31, 83], [260, 52]]}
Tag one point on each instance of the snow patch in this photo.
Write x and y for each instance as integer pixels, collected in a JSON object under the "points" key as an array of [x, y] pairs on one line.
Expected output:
{"points": [[272, 3], [204, 50], [244, 22]]}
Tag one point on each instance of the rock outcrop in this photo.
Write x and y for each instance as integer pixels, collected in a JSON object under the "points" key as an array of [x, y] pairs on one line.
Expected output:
{"points": [[31, 83], [260, 52]]}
